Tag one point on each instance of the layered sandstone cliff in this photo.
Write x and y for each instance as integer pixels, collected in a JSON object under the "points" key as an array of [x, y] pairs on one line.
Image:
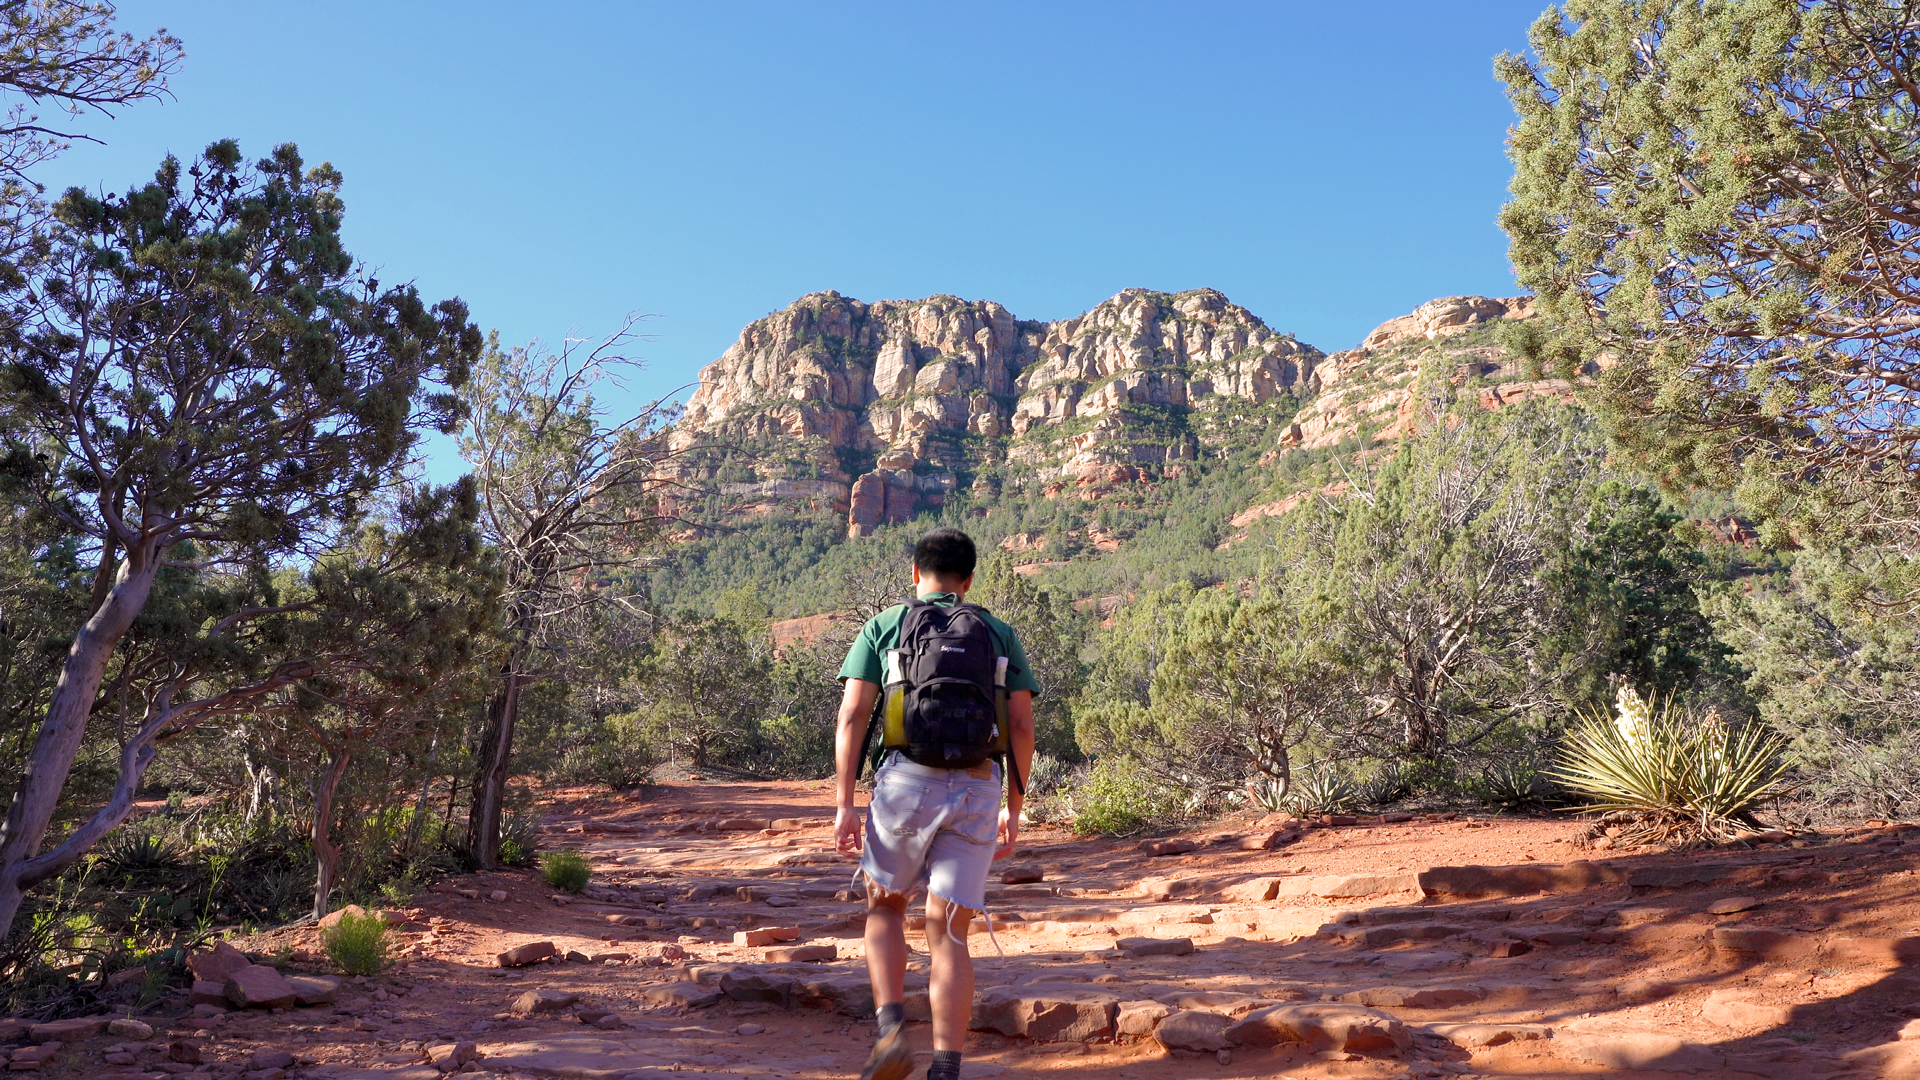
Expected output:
{"points": [[881, 410]]}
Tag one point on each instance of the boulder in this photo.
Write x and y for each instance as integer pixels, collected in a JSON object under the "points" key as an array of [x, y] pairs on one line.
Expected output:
{"points": [[1470, 882], [1025, 875], [184, 1051], [128, 1028], [1258, 890], [1139, 1017], [748, 984], [1043, 1012], [450, 1056], [1323, 1026], [685, 994], [1509, 947], [314, 989], [535, 1002], [530, 953], [1167, 847], [69, 1031], [32, 1057], [1205, 1032], [1733, 905], [1473, 1036], [217, 964], [1267, 840], [260, 987], [1406, 997], [766, 935], [332, 918], [271, 1059], [1146, 946]]}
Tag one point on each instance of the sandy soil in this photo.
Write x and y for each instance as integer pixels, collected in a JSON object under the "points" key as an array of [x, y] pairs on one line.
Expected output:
{"points": [[1625, 969]]}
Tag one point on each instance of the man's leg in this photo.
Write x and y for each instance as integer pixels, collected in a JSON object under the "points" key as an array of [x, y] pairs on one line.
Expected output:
{"points": [[887, 944], [951, 989], [892, 1058]]}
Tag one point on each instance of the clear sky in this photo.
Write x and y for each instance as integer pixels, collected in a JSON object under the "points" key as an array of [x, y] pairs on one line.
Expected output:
{"points": [[1328, 166]]}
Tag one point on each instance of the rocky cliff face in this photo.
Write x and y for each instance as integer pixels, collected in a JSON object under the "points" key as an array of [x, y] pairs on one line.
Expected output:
{"points": [[1373, 390], [880, 410], [883, 409]]}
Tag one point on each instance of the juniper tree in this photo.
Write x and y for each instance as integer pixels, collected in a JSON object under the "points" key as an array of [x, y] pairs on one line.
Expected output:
{"points": [[1717, 199], [216, 388], [568, 497], [68, 55]]}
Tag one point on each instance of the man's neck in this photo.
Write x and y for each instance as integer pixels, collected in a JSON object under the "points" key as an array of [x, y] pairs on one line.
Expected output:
{"points": [[928, 588]]}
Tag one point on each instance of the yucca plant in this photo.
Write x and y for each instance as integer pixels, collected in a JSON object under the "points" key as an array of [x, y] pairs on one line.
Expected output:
{"points": [[1670, 776], [1515, 781], [1388, 784], [1320, 791]]}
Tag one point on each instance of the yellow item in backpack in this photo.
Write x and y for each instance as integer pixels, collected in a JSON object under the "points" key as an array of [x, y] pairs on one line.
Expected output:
{"points": [[893, 710]]}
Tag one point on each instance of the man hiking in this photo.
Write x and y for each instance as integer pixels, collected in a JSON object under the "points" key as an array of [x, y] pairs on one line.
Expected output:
{"points": [[956, 696]]}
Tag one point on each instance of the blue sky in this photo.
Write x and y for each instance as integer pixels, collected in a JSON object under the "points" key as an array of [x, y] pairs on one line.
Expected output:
{"points": [[1328, 166]]}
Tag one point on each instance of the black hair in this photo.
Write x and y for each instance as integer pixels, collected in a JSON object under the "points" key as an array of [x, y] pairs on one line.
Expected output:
{"points": [[946, 554]]}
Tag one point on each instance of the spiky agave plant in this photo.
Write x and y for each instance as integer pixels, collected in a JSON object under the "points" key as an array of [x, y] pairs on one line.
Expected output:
{"points": [[1667, 776], [1320, 791]]}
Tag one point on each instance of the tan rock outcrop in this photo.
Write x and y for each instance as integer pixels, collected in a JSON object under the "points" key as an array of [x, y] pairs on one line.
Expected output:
{"points": [[831, 381], [1380, 388], [882, 410]]}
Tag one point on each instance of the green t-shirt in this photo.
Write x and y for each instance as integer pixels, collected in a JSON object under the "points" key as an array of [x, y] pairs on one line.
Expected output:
{"points": [[882, 632]]}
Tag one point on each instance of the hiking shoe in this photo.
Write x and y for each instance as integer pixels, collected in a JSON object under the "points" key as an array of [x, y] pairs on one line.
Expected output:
{"points": [[892, 1058]]}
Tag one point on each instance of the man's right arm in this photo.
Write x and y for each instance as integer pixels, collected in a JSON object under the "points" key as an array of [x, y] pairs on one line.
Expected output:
{"points": [[849, 738]]}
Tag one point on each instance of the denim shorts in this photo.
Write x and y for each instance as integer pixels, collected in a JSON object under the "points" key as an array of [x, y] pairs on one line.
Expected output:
{"points": [[932, 827]]}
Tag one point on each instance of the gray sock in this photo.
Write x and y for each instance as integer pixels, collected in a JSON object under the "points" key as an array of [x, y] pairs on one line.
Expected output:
{"points": [[946, 1065], [890, 1016]]}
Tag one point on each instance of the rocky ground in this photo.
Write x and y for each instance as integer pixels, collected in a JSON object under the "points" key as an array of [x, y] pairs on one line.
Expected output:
{"points": [[720, 939]]}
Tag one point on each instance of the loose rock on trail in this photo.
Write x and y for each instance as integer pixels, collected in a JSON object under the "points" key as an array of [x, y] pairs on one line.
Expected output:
{"points": [[720, 938]]}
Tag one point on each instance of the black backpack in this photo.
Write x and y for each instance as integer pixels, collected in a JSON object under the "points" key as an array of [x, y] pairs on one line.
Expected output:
{"points": [[944, 701]]}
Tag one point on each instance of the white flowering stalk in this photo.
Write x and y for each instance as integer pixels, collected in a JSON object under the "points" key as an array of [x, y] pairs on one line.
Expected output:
{"points": [[1633, 718]]}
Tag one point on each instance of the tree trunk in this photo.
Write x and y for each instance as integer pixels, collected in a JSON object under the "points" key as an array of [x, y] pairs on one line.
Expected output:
{"points": [[326, 853], [490, 776], [54, 749], [420, 805]]}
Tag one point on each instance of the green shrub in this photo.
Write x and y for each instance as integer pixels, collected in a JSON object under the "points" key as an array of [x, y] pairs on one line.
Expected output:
{"points": [[357, 944], [566, 870], [1119, 797], [1669, 776]]}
